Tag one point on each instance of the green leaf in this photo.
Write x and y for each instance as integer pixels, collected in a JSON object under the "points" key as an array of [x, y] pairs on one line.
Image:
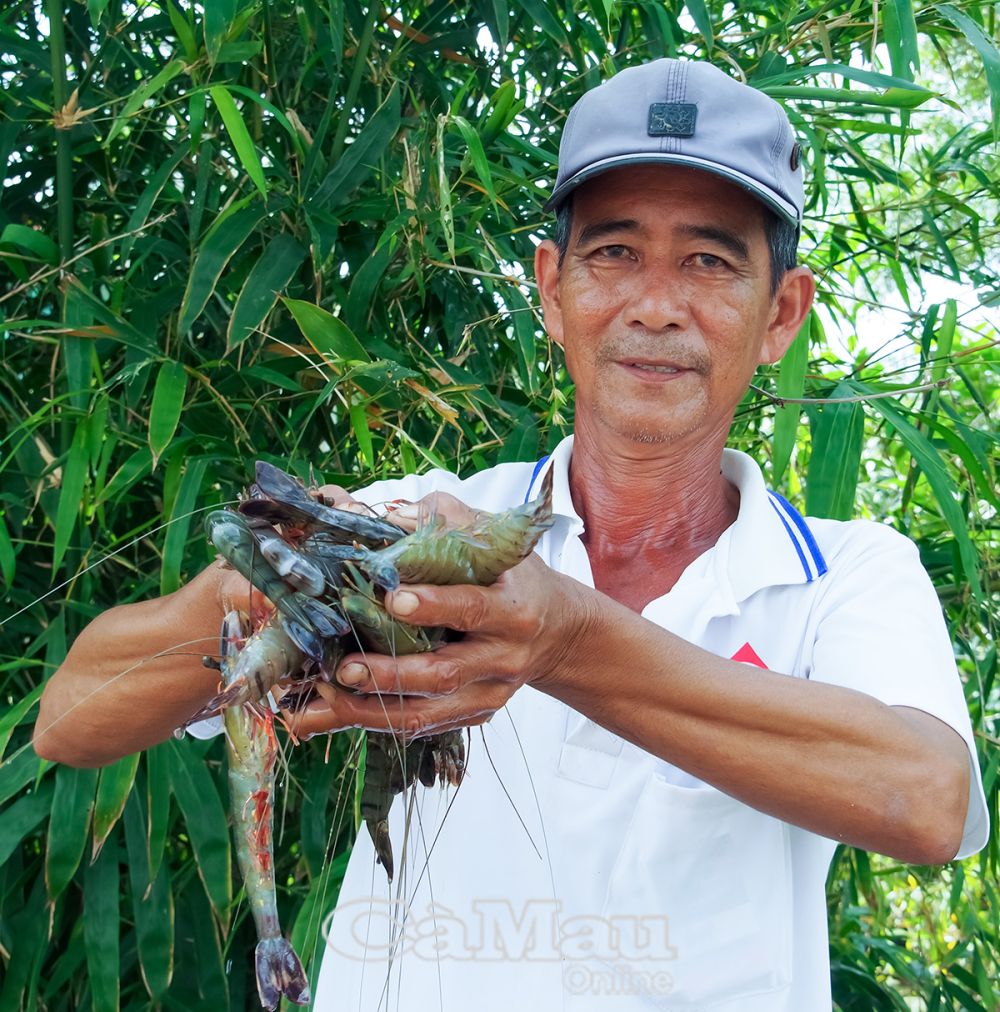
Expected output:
{"points": [[331, 337], [32, 240], [206, 822], [157, 803], [219, 16], [901, 38], [791, 383], [947, 495], [698, 10], [359, 425], [152, 190], [358, 161], [986, 48], [72, 806], [152, 905], [277, 265], [180, 524], [74, 478], [112, 791], [217, 249], [8, 559], [15, 714], [834, 464], [18, 771], [240, 136], [22, 817], [101, 926], [168, 400], [364, 284], [139, 97], [478, 155]]}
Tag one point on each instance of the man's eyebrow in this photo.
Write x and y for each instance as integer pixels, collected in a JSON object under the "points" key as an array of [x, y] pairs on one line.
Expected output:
{"points": [[602, 229], [729, 240]]}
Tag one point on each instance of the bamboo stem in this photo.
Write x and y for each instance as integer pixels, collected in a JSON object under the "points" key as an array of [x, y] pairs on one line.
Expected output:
{"points": [[64, 149]]}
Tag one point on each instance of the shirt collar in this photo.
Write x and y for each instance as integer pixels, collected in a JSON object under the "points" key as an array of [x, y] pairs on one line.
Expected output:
{"points": [[768, 545]]}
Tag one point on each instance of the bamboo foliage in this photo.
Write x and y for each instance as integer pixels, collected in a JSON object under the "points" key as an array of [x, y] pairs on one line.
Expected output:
{"points": [[303, 232]]}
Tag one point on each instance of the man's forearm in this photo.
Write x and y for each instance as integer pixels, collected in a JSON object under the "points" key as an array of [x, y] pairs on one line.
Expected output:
{"points": [[132, 676], [833, 760]]}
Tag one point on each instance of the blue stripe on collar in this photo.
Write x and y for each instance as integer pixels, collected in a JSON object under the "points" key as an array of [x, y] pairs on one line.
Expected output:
{"points": [[534, 475], [802, 538]]}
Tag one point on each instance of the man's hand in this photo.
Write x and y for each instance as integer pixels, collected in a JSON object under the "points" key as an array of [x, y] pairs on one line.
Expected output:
{"points": [[516, 631]]}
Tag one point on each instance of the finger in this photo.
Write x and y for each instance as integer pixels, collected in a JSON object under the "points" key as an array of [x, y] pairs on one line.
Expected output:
{"points": [[413, 717], [438, 673], [446, 507], [464, 608]]}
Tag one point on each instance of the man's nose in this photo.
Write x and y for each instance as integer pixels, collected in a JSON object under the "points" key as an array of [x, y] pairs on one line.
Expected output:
{"points": [[657, 300]]}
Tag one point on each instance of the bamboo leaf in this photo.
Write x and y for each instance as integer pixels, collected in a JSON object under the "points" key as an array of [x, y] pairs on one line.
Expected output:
{"points": [[101, 926], [8, 560], [358, 161], [141, 95], [22, 817], [152, 905], [180, 524], [168, 400], [947, 495], [791, 383], [699, 14], [987, 49], [15, 715], [152, 190], [277, 265], [157, 803], [112, 790], [216, 251], [72, 806], [359, 425], [478, 155], [331, 337], [901, 38], [31, 239], [837, 440], [219, 16], [240, 136], [206, 822], [18, 771], [74, 478]]}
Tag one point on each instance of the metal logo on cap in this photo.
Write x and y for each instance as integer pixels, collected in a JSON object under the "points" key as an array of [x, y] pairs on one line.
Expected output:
{"points": [[672, 119]]}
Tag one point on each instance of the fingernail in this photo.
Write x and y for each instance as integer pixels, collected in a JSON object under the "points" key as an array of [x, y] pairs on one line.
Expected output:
{"points": [[403, 602], [410, 511], [352, 675]]}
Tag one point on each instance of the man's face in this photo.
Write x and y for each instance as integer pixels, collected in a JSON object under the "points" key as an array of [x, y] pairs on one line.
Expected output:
{"points": [[663, 302]]}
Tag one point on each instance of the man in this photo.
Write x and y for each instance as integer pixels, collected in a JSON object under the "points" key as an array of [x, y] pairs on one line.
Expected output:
{"points": [[700, 691]]}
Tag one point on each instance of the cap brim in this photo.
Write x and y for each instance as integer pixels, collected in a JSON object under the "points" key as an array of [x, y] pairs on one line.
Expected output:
{"points": [[782, 207]]}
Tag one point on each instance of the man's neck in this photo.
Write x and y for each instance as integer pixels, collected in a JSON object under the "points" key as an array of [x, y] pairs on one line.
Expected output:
{"points": [[649, 510]]}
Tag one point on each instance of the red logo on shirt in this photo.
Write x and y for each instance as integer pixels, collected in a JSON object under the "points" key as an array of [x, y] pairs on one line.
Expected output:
{"points": [[747, 655]]}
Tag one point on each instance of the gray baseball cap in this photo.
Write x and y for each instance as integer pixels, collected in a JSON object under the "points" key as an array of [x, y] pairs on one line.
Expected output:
{"points": [[683, 112]]}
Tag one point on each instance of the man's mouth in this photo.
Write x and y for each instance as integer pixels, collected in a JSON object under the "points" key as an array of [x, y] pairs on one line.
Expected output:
{"points": [[651, 367]]}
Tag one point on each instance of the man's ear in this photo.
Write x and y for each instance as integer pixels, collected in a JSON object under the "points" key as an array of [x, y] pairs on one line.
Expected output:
{"points": [[789, 310], [547, 276]]}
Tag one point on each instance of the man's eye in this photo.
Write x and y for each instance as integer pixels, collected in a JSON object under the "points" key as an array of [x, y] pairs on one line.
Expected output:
{"points": [[709, 260], [614, 252]]}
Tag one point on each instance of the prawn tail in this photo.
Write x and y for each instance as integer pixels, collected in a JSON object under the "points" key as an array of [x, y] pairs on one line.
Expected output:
{"points": [[379, 831], [279, 972]]}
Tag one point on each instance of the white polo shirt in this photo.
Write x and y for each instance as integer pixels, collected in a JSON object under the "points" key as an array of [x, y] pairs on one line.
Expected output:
{"points": [[572, 870]]}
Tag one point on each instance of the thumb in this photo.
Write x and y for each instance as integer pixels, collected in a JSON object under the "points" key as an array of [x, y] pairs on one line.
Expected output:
{"points": [[464, 608]]}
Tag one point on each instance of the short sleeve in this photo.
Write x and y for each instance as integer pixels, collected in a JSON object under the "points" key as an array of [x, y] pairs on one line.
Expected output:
{"points": [[880, 630]]}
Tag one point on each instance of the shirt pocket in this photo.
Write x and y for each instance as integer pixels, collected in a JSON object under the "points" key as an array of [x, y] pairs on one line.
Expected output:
{"points": [[589, 752], [713, 877]]}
